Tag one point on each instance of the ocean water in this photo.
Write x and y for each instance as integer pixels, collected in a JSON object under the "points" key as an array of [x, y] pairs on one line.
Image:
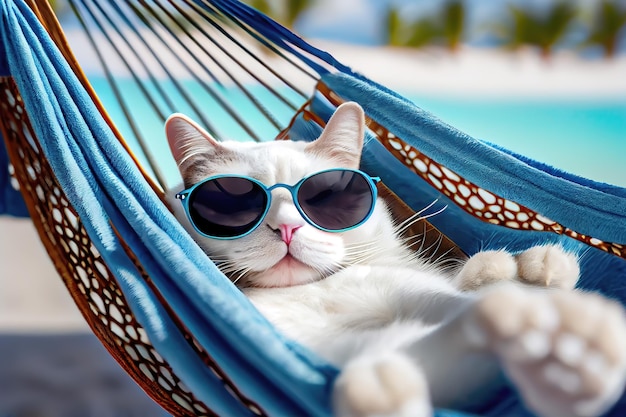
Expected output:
{"points": [[583, 136]]}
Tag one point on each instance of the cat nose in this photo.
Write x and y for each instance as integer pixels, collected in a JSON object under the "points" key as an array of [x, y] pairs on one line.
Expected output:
{"points": [[287, 231]]}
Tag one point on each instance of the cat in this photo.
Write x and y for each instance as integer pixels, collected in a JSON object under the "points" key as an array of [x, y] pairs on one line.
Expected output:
{"points": [[407, 334]]}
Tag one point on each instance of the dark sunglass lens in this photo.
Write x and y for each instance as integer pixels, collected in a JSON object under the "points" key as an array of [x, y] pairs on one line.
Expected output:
{"points": [[227, 206], [336, 200]]}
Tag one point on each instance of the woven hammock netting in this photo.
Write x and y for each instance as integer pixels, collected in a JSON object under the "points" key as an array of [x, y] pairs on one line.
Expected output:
{"points": [[243, 76]]}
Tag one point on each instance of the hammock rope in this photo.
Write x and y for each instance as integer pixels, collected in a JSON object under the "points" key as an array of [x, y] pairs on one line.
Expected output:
{"points": [[159, 43], [177, 325]]}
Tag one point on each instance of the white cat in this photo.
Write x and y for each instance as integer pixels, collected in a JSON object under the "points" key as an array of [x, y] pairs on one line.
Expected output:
{"points": [[407, 335]]}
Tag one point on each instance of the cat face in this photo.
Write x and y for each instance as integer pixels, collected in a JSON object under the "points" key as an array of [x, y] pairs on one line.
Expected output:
{"points": [[284, 250]]}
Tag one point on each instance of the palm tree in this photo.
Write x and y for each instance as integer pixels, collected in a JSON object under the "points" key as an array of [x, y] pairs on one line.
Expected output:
{"points": [[396, 30], [261, 5], [424, 32], [557, 22], [416, 34], [516, 32], [445, 27], [453, 19], [543, 31], [293, 9], [286, 12], [57, 5], [609, 23]]}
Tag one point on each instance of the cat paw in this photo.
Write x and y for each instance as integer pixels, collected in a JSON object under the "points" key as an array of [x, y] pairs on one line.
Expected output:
{"points": [[564, 351], [548, 266], [390, 385], [486, 268]]}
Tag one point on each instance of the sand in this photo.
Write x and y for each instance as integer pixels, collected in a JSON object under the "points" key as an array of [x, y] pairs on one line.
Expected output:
{"points": [[33, 298], [64, 375], [485, 72], [51, 365]]}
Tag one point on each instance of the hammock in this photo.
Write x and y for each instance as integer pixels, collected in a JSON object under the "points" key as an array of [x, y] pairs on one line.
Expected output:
{"points": [[178, 326]]}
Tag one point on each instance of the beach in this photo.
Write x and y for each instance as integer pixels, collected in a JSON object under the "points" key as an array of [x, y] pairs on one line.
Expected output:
{"points": [[50, 362], [51, 365], [33, 298], [485, 72]]}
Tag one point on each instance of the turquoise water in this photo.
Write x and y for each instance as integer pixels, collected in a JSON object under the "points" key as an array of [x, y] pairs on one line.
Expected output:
{"points": [[209, 113], [586, 137]]}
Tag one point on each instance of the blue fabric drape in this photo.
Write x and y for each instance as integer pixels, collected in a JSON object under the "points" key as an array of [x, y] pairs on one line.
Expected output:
{"points": [[11, 201]]}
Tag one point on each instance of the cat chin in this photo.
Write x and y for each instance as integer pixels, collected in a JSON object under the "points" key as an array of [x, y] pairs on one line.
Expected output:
{"points": [[287, 272]]}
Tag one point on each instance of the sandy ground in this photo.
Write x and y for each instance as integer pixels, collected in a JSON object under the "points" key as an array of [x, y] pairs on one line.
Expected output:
{"points": [[64, 375], [485, 72], [50, 363], [33, 298]]}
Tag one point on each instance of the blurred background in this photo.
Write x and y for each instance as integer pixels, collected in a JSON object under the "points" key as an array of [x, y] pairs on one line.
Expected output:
{"points": [[540, 77]]}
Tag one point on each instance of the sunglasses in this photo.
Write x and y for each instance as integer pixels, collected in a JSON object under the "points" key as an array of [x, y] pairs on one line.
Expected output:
{"points": [[232, 206]]}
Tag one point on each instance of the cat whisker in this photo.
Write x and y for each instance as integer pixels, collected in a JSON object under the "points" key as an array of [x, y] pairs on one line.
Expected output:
{"points": [[325, 271], [419, 216], [362, 253], [361, 257], [450, 266], [223, 261], [230, 268], [441, 260], [243, 273], [422, 241], [360, 247], [363, 243], [411, 219], [411, 241], [217, 259], [418, 254], [444, 263], [433, 248]]}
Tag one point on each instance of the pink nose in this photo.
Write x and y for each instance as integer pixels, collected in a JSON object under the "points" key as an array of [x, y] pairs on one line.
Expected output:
{"points": [[287, 231]]}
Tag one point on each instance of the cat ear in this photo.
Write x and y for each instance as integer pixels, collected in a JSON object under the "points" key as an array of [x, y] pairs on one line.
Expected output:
{"points": [[342, 138], [189, 141]]}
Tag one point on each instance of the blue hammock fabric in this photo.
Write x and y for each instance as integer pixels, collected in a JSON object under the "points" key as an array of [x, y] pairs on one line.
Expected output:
{"points": [[11, 201], [105, 187]]}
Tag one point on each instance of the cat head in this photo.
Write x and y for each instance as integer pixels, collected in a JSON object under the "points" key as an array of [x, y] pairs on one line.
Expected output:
{"points": [[284, 250]]}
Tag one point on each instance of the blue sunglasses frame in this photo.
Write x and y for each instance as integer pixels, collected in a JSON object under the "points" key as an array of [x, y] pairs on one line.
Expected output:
{"points": [[293, 189]]}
